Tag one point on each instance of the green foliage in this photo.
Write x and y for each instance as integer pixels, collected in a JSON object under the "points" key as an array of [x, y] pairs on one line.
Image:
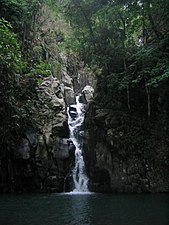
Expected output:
{"points": [[69, 44], [41, 70], [127, 40], [10, 54], [57, 69], [38, 72], [18, 11], [12, 86]]}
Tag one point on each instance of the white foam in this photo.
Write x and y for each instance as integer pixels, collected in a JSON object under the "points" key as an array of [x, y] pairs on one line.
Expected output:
{"points": [[80, 178]]}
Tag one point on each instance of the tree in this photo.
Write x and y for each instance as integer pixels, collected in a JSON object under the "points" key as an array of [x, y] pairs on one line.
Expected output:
{"points": [[126, 40]]}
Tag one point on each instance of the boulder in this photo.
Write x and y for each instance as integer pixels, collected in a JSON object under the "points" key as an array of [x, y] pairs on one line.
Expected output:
{"points": [[66, 79], [23, 151], [31, 136], [69, 96], [86, 94], [62, 149], [73, 111]]}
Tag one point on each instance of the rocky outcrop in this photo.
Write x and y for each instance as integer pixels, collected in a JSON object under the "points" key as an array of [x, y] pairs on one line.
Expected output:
{"points": [[81, 76], [126, 152], [87, 94], [45, 155], [52, 154], [69, 96]]}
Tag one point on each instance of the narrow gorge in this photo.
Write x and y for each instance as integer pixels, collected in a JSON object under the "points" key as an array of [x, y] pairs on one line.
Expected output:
{"points": [[84, 96], [84, 112]]}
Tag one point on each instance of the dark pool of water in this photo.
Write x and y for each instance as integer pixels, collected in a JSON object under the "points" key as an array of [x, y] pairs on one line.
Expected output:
{"points": [[89, 209]]}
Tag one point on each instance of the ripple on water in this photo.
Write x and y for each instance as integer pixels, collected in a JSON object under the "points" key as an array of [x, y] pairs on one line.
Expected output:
{"points": [[84, 208], [77, 193]]}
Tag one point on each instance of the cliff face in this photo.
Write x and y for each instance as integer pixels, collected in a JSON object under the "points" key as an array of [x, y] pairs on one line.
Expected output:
{"points": [[44, 156], [127, 151]]}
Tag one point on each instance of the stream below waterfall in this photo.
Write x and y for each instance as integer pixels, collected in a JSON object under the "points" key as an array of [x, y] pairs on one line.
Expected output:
{"points": [[86, 209]]}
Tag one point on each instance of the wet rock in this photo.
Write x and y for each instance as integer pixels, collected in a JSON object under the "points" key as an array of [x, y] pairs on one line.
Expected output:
{"points": [[86, 94], [100, 180], [23, 151], [73, 111], [130, 148], [67, 80], [43, 158], [69, 96], [31, 136], [62, 149], [72, 149]]}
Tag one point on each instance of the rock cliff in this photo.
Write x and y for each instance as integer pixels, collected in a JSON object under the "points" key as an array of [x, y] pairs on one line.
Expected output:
{"points": [[44, 157], [126, 151]]}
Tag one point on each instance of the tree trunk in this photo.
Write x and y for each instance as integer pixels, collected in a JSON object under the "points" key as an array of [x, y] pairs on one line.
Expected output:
{"points": [[128, 97], [154, 27], [143, 27], [127, 86], [148, 101]]}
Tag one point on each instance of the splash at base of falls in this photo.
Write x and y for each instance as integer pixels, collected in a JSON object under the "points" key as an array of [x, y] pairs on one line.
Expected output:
{"points": [[75, 120], [78, 193]]}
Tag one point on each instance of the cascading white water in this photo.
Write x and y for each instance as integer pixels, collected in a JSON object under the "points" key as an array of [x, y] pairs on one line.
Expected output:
{"points": [[75, 121]]}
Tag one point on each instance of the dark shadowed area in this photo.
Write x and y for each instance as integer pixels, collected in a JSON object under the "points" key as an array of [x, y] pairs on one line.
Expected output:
{"points": [[84, 209]]}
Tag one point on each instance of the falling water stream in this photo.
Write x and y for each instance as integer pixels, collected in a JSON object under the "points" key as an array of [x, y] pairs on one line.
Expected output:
{"points": [[75, 120]]}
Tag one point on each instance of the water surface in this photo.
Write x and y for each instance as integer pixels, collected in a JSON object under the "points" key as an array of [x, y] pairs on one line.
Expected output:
{"points": [[86, 209]]}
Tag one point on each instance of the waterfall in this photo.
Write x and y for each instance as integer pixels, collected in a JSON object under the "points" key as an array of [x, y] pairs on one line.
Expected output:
{"points": [[75, 120]]}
